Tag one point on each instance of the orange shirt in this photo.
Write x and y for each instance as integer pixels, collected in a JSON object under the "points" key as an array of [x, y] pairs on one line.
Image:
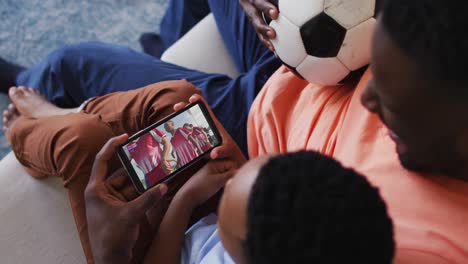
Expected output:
{"points": [[430, 213]]}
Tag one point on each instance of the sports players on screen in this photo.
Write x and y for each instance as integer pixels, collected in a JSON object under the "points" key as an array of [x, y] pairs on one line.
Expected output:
{"points": [[157, 154]]}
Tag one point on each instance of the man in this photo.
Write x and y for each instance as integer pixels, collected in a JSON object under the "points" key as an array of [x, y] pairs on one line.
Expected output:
{"points": [[153, 161], [183, 143], [417, 96]]}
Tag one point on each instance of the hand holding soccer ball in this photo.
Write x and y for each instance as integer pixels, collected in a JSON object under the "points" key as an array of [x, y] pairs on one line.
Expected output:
{"points": [[322, 41], [256, 10]]}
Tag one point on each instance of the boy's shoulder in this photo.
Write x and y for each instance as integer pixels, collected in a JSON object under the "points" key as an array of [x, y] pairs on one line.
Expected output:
{"points": [[202, 243]]}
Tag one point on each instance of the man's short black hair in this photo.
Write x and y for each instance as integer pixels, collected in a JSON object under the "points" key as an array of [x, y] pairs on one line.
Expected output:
{"points": [[434, 33], [306, 208]]}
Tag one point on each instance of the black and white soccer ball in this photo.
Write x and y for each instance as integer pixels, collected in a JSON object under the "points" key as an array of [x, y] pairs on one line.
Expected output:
{"points": [[324, 41]]}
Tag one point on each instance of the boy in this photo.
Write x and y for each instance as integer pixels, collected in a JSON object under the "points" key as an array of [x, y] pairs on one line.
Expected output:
{"points": [[292, 208]]}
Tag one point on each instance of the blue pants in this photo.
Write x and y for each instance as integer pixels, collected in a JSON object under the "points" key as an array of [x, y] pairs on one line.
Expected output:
{"points": [[72, 74]]}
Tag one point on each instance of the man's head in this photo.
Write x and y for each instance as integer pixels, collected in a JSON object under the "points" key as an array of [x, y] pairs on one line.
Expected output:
{"points": [[303, 208], [188, 126], [169, 127], [420, 83]]}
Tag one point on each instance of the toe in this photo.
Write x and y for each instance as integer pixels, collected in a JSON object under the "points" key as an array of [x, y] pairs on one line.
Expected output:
{"points": [[6, 113], [12, 91], [13, 110], [22, 90], [16, 92]]}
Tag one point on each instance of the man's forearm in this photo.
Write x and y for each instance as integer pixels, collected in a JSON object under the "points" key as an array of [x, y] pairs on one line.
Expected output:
{"points": [[168, 242]]}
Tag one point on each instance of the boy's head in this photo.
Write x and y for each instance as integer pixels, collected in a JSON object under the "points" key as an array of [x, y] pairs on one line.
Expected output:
{"points": [[420, 83], [303, 208]]}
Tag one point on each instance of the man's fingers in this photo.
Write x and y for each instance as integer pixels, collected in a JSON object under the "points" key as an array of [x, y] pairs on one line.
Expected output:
{"points": [[266, 42], [255, 16], [118, 179], [99, 171], [222, 152], [179, 106], [219, 152], [254, 12], [129, 192], [147, 200], [267, 7], [228, 152]]}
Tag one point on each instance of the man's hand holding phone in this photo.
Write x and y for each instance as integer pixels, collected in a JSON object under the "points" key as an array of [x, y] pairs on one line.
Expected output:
{"points": [[113, 224]]}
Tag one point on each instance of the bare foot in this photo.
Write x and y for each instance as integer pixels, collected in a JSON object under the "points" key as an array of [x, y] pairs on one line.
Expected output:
{"points": [[30, 103], [10, 115]]}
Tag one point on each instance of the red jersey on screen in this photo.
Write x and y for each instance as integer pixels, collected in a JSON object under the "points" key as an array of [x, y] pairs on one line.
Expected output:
{"points": [[200, 137], [147, 153], [183, 147]]}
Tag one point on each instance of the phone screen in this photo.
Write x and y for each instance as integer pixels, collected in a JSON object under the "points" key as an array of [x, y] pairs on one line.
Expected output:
{"points": [[160, 151]]}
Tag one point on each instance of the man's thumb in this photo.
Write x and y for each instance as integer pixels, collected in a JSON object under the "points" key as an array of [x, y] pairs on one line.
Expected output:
{"points": [[148, 199]]}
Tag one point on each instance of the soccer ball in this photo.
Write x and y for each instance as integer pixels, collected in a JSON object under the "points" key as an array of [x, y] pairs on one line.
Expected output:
{"points": [[324, 41]]}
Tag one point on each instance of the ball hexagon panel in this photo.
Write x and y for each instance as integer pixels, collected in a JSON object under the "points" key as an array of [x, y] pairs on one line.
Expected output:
{"points": [[350, 13], [322, 71], [322, 36], [288, 42], [356, 50], [300, 11]]}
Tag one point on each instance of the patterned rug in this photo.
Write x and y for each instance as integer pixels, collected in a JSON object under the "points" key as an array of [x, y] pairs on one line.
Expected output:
{"points": [[31, 29]]}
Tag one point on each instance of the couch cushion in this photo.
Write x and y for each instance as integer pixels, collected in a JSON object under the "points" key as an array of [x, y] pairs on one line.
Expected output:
{"points": [[37, 225]]}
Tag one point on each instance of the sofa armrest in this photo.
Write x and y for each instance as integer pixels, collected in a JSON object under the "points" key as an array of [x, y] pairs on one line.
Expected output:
{"points": [[37, 224], [203, 49]]}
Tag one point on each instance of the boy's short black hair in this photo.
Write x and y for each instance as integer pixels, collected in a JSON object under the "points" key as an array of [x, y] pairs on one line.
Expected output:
{"points": [[306, 208], [434, 34]]}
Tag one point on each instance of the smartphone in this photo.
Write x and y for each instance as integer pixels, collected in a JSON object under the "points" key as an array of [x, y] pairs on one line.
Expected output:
{"points": [[159, 152]]}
